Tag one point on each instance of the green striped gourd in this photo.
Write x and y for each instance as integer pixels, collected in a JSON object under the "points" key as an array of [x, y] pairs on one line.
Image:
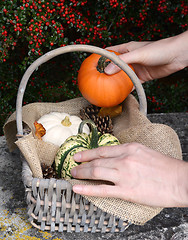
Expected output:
{"points": [[64, 160]]}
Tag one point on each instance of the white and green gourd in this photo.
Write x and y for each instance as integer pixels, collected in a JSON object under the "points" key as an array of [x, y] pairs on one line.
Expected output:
{"points": [[64, 160]]}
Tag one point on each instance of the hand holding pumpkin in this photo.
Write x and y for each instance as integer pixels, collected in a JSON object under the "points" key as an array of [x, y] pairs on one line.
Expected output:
{"points": [[139, 174], [99, 88], [152, 60]]}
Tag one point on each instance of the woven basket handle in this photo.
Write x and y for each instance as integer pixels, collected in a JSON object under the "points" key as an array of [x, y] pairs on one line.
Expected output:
{"points": [[76, 48]]}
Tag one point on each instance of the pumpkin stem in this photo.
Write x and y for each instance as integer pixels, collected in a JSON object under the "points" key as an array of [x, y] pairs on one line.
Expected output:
{"points": [[94, 132], [66, 122], [102, 63]]}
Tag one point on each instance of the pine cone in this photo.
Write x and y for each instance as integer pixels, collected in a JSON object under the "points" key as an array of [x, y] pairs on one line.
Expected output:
{"points": [[104, 124], [48, 171], [88, 112]]}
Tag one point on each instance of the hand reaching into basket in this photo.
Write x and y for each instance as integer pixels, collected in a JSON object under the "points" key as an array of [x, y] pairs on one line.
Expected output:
{"points": [[139, 174], [153, 60]]}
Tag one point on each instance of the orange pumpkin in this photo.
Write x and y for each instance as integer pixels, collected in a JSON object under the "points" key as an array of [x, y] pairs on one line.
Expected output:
{"points": [[99, 88]]}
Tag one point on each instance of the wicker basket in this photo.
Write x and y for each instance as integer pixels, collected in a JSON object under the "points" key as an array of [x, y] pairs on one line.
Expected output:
{"points": [[52, 205]]}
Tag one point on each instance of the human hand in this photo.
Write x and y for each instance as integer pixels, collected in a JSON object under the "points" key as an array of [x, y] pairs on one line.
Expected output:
{"points": [[152, 60], [139, 174]]}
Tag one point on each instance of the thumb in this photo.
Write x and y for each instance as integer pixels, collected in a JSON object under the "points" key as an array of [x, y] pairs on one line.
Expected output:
{"points": [[111, 69], [128, 58]]}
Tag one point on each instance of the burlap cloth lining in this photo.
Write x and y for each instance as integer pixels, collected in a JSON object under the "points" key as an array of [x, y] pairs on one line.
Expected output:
{"points": [[130, 126]]}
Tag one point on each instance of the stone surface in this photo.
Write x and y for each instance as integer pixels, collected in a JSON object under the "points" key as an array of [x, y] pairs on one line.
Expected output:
{"points": [[170, 224], [177, 121]]}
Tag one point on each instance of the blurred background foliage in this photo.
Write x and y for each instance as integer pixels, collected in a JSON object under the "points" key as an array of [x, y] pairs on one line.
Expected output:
{"points": [[30, 28]]}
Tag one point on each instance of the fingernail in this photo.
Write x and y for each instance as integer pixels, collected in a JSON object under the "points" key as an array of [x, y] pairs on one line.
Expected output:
{"points": [[77, 156], [110, 69], [73, 172], [77, 188]]}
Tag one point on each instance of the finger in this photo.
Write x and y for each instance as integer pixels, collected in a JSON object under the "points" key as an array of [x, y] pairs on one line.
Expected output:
{"points": [[95, 173], [98, 190], [128, 47], [129, 58], [121, 48], [103, 162], [129, 55], [112, 69], [135, 53], [101, 152]]}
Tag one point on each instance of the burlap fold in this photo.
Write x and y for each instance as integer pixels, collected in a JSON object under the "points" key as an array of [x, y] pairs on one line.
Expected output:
{"points": [[130, 126]]}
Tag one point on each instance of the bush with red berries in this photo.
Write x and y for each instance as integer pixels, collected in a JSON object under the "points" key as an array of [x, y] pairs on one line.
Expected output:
{"points": [[30, 28]]}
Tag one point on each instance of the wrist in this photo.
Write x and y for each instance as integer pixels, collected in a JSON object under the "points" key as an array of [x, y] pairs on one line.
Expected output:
{"points": [[182, 193], [180, 44]]}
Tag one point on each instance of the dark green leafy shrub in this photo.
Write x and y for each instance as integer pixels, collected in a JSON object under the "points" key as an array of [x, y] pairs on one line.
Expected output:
{"points": [[30, 28]]}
